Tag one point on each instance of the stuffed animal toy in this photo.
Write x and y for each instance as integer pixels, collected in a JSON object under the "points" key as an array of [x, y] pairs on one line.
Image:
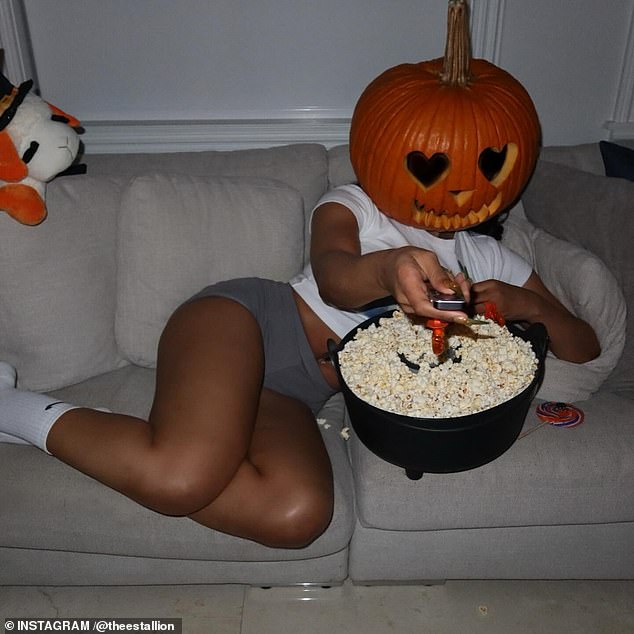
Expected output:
{"points": [[37, 142]]}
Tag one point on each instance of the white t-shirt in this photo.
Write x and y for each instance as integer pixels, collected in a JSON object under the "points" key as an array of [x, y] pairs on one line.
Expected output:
{"points": [[482, 256]]}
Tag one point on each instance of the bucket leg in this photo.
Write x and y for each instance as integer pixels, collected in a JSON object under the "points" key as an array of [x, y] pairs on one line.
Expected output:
{"points": [[413, 474]]}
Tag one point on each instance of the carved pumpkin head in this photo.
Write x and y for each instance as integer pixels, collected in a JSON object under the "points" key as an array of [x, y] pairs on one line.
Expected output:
{"points": [[448, 143]]}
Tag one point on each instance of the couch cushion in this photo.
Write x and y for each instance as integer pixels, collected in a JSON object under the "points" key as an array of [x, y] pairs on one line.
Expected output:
{"points": [[584, 156], [595, 212], [75, 513], [552, 476], [179, 233], [583, 283], [58, 286]]}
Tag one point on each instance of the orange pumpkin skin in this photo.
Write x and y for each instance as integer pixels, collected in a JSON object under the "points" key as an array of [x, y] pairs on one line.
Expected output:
{"points": [[444, 157]]}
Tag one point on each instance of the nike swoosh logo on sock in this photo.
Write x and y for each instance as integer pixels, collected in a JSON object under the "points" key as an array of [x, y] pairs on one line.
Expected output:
{"points": [[53, 404]]}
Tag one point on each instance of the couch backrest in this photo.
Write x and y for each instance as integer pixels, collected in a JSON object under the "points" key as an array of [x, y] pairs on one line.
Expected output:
{"points": [[65, 283], [303, 166], [585, 156]]}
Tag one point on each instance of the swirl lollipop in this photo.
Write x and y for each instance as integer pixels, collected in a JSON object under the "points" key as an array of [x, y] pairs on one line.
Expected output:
{"points": [[556, 414], [560, 414]]}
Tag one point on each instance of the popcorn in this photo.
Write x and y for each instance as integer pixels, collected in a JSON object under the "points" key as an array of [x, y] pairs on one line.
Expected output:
{"points": [[494, 366]]}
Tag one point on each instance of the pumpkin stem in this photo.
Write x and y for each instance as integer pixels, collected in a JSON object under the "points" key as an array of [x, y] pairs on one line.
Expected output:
{"points": [[457, 62]]}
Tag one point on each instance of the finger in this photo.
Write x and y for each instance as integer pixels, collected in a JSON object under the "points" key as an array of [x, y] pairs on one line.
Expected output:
{"points": [[415, 300], [480, 292], [485, 285], [407, 309], [402, 300], [453, 316], [421, 305], [442, 282], [465, 285], [412, 293], [432, 272]]}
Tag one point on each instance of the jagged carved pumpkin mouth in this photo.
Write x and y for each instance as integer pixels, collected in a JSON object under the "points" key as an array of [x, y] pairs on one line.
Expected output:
{"points": [[432, 219]]}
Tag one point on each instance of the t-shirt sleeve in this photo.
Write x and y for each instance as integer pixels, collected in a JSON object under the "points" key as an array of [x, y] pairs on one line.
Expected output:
{"points": [[353, 198], [515, 269], [485, 258]]}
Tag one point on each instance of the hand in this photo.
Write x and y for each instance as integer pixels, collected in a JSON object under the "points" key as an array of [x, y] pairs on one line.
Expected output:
{"points": [[512, 302], [570, 338], [411, 271]]}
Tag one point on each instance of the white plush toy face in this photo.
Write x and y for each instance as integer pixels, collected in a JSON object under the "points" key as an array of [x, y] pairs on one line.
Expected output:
{"points": [[46, 145]]}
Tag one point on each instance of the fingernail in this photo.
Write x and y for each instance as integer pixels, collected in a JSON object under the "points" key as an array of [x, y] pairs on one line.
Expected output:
{"points": [[467, 321]]}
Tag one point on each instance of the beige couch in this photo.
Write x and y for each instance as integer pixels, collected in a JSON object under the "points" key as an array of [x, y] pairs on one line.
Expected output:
{"points": [[83, 298]]}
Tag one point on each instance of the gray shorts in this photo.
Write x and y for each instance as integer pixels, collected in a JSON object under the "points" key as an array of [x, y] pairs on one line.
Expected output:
{"points": [[290, 366]]}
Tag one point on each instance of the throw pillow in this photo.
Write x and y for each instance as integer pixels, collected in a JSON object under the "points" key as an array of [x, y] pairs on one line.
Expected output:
{"points": [[178, 234], [583, 283], [618, 160], [302, 166], [57, 281], [597, 213]]}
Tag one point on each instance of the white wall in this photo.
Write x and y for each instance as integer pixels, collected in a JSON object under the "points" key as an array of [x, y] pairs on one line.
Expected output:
{"points": [[167, 59], [181, 74], [570, 55]]}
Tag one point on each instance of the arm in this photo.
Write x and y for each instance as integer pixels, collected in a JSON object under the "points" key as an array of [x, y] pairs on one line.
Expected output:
{"points": [[349, 280], [571, 338]]}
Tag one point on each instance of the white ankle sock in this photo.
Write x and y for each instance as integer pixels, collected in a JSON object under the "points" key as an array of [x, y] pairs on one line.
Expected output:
{"points": [[7, 379], [26, 416]]}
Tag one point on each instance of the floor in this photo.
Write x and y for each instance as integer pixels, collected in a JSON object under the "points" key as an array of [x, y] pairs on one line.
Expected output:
{"points": [[458, 607]]}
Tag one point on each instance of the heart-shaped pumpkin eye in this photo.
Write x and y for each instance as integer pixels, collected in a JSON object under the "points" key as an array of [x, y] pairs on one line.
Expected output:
{"points": [[491, 162], [427, 171]]}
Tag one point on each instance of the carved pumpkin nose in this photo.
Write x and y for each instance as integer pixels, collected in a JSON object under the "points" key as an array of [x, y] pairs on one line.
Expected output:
{"points": [[462, 196]]}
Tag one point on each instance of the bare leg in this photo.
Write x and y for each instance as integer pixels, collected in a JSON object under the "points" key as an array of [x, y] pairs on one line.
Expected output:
{"points": [[218, 448], [282, 495]]}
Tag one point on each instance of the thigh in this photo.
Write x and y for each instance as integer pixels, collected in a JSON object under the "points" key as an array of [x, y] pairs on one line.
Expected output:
{"points": [[291, 367], [209, 377]]}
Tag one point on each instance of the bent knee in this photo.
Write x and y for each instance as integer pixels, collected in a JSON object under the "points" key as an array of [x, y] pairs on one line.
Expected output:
{"points": [[181, 490], [299, 521]]}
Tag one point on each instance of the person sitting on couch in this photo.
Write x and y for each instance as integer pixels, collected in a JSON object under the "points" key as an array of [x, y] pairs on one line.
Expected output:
{"points": [[231, 440]]}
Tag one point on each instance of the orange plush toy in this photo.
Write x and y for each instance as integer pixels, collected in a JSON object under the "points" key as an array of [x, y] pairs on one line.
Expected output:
{"points": [[37, 142]]}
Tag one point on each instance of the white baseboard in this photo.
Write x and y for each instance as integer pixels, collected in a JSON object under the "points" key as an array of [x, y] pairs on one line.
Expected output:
{"points": [[114, 137]]}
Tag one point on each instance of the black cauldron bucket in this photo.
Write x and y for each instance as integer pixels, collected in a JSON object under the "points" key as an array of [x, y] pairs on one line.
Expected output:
{"points": [[442, 445]]}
